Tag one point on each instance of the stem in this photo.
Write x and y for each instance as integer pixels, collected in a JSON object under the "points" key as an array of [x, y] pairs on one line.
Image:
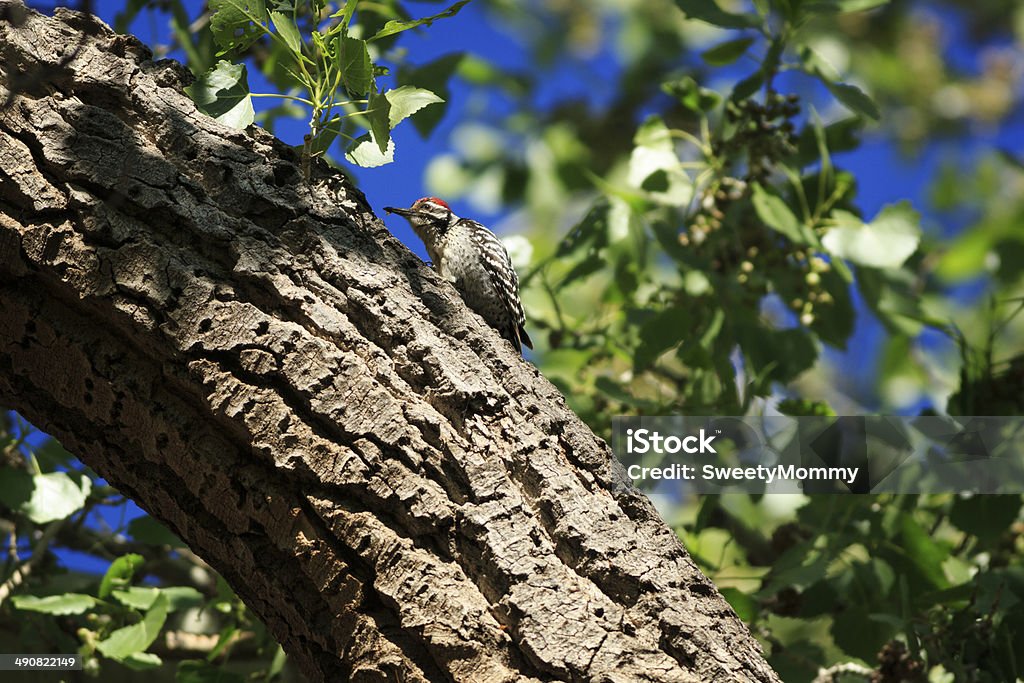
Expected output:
{"points": [[284, 97], [689, 137]]}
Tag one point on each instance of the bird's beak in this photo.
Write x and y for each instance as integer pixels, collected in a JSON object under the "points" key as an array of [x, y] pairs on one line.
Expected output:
{"points": [[400, 212]]}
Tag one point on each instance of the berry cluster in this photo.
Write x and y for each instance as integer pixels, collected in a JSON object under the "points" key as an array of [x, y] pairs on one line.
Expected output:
{"points": [[764, 132], [895, 664], [757, 137], [715, 201], [813, 266]]}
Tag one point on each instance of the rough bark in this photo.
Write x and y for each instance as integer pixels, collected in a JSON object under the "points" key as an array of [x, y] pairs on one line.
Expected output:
{"points": [[258, 363]]}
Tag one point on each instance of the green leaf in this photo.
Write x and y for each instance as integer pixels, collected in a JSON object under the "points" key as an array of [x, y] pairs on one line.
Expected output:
{"points": [[926, 553], [851, 97], [42, 498], [119, 574], [591, 230], [223, 93], [182, 597], [237, 24], [593, 263], [854, 99], [68, 603], [379, 114], [727, 52], [966, 256], [817, 65], [616, 392], [346, 13], [146, 529], [434, 77], [805, 407], [710, 12], [859, 5], [987, 517], [224, 639], [142, 661], [406, 101], [886, 242], [326, 137], [50, 455], [287, 29], [746, 607], [747, 87], [16, 487], [776, 355], [798, 568], [365, 152], [816, 139], [660, 333], [129, 640], [277, 663], [356, 67], [395, 26], [889, 294], [833, 322], [859, 633], [777, 216], [655, 155], [136, 597], [691, 95]]}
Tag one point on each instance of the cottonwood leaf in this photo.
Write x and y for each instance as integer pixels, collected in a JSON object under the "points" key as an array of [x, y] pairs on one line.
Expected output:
{"points": [[288, 31], [854, 99], [777, 216], [710, 12], [727, 52], [136, 597], [365, 152], [129, 640], [434, 77], [237, 24], [396, 26], [406, 101], [654, 165], [43, 498], [379, 114], [356, 67], [885, 242], [119, 573], [68, 603], [223, 93]]}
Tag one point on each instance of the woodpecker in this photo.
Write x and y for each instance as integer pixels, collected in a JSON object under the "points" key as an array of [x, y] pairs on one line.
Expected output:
{"points": [[473, 259]]}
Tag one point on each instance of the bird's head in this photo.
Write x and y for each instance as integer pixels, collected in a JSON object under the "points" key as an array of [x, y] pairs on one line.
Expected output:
{"points": [[427, 213]]}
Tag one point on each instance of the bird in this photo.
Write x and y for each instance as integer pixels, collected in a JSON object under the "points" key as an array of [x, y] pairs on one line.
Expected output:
{"points": [[475, 261]]}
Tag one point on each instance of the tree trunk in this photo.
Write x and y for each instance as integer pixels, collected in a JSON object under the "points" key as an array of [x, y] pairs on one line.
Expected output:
{"points": [[259, 364]]}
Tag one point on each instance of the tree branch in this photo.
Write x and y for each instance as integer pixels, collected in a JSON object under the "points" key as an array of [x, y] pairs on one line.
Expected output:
{"points": [[257, 362]]}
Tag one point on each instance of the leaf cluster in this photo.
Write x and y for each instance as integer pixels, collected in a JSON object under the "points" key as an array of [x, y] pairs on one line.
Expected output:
{"points": [[325, 62], [149, 595], [921, 587], [730, 241]]}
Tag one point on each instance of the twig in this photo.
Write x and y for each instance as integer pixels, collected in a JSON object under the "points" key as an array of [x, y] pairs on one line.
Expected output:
{"points": [[21, 573]]}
